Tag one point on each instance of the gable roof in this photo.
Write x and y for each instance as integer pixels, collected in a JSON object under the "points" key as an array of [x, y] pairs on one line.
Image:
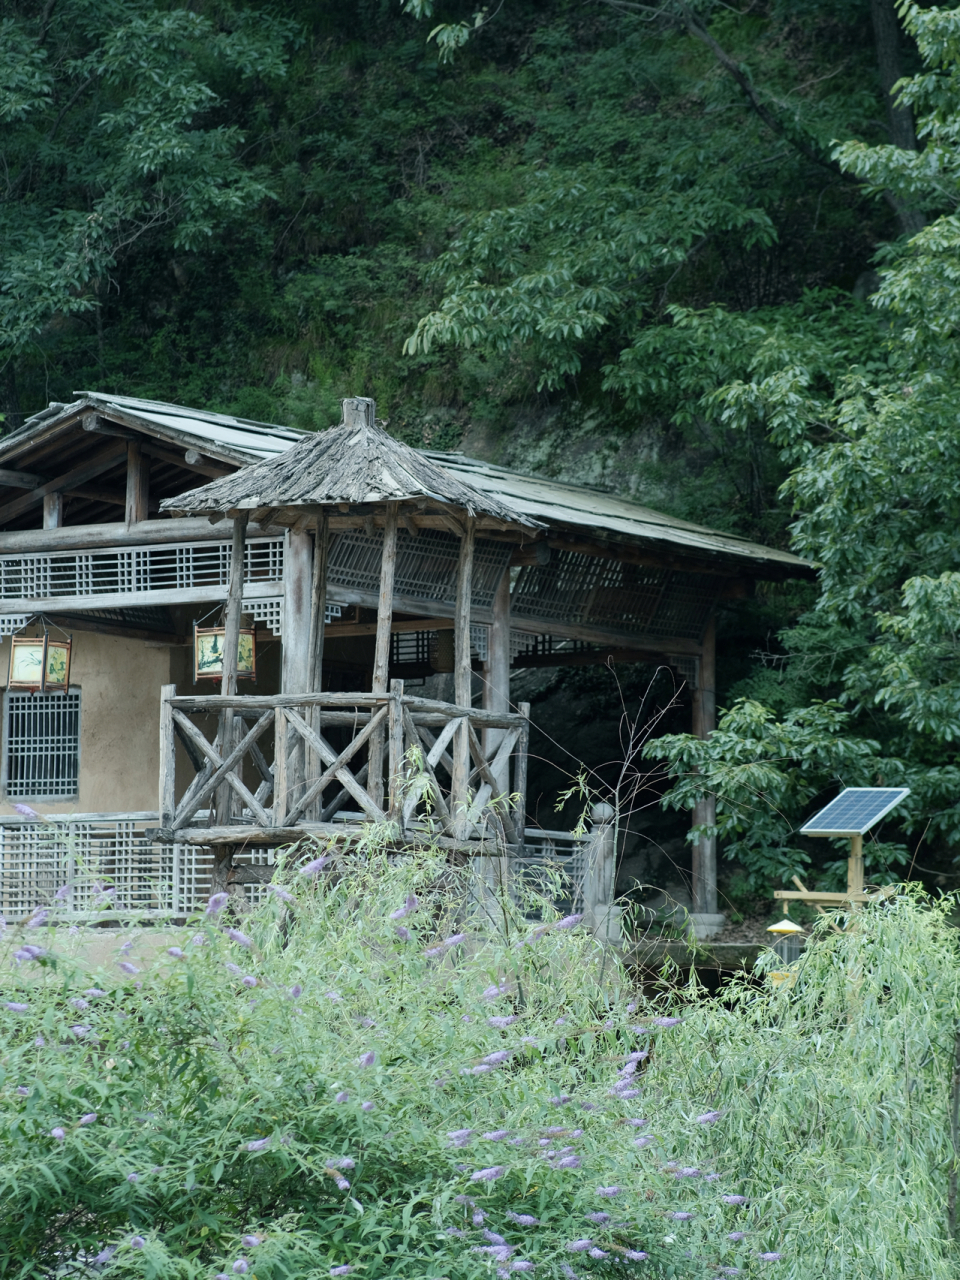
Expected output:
{"points": [[357, 463]]}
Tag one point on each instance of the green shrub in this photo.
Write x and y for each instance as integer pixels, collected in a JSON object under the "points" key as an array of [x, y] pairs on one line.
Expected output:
{"points": [[385, 1069]]}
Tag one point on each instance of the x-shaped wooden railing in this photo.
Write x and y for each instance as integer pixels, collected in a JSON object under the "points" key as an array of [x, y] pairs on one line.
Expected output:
{"points": [[309, 780]]}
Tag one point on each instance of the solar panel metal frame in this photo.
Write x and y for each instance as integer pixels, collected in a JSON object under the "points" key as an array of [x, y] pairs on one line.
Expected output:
{"points": [[810, 828]]}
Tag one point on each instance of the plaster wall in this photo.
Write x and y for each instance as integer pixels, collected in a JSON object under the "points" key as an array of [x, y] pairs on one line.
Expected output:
{"points": [[119, 682]]}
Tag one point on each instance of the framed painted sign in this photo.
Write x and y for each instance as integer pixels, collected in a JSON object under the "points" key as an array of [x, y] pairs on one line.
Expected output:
{"points": [[39, 664], [208, 654]]}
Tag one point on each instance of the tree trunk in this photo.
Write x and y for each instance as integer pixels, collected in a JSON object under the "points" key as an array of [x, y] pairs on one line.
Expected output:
{"points": [[886, 30]]}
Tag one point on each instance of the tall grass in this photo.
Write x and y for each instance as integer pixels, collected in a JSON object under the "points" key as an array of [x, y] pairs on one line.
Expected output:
{"points": [[385, 1070]]}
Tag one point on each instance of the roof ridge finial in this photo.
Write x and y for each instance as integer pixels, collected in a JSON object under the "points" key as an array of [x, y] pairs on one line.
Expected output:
{"points": [[359, 411]]}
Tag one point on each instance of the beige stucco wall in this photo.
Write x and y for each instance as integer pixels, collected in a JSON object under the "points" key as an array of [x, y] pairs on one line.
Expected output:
{"points": [[119, 682]]}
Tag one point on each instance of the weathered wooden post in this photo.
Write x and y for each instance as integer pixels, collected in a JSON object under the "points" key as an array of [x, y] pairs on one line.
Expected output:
{"points": [[600, 877], [381, 658], [462, 678], [138, 484], [496, 697], [395, 752], [704, 869], [231, 646], [297, 598], [168, 760]]}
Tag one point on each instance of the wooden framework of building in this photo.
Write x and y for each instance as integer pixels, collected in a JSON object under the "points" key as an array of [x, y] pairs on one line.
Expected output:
{"points": [[349, 538]]}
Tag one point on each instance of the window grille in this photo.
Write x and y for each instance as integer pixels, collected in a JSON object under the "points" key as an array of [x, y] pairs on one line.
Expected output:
{"points": [[42, 745], [413, 647], [426, 566]]}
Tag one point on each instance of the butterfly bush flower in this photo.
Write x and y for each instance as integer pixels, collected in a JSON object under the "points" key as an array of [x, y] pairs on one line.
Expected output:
{"points": [[687, 1172], [39, 1043], [635, 1255], [736, 1236], [239, 938], [501, 1023], [342, 1096], [80, 1004], [341, 1271], [89, 1118], [608, 1192], [522, 1219], [81, 1031], [23, 1091], [137, 1242], [488, 1175], [734, 1199], [198, 940], [281, 893], [29, 952], [14, 1006], [333, 997], [496, 1135], [495, 990], [580, 1246], [598, 1253], [258, 1144], [58, 1133], [250, 1242], [599, 1218], [569, 1162], [249, 981], [493, 1237], [479, 1217], [241, 1266], [367, 1106], [403, 933], [521, 1264], [770, 1257], [642, 1142], [408, 908], [38, 918], [681, 1217], [495, 1059], [709, 1117], [127, 967], [637, 1123], [316, 866], [175, 952], [216, 902], [460, 1137], [296, 991], [667, 1022], [367, 1059]]}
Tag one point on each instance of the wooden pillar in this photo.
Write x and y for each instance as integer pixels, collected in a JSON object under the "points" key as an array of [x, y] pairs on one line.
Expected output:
{"points": [[318, 602], [53, 510], [496, 673], [855, 865], [138, 483], [462, 671], [231, 645], [296, 659], [168, 760], [704, 877], [381, 657]]}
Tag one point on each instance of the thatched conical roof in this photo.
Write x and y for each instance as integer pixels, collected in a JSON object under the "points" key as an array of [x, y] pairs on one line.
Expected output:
{"points": [[357, 462]]}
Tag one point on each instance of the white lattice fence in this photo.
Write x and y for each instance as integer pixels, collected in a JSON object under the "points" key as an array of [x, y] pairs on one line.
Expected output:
{"points": [[99, 863]]}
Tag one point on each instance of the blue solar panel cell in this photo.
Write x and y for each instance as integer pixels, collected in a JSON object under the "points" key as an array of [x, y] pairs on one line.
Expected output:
{"points": [[854, 811]]}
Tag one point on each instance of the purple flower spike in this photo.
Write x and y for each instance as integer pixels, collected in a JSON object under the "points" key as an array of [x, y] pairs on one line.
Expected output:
{"points": [[250, 1242], [569, 1162], [496, 1135], [501, 1023], [688, 1172], [403, 933], [241, 1267], [770, 1257], [81, 1031], [89, 1118], [598, 1218], [681, 1217], [26, 812], [523, 1219], [29, 952], [137, 1242], [216, 902], [367, 1059], [281, 893], [249, 981], [14, 1006], [39, 1043], [127, 967], [495, 1059], [316, 866], [598, 1253], [62, 894], [580, 1246], [460, 1137], [258, 1144], [58, 1133], [175, 952], [522, 1264], [709, 1117], [667, 1022], [38, 918], [488, 1175], [494, 991], [635, 1255], [412, 904], [569, 922], [608, 1192], [736, 1235], [367, 1106], [734, 1199], [23, 1091], [342, 1096], [341, 1271], [240, 938]]}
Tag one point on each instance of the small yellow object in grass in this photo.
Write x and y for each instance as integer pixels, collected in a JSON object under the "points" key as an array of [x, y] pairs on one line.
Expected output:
{"points": [[785, 927]]}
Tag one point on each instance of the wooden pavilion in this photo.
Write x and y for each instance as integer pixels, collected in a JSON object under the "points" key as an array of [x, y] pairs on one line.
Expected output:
{"points": [[356, 560]]}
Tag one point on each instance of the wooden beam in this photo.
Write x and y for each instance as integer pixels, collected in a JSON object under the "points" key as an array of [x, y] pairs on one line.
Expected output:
{"points": [[182, 460], [135, 599], [81, 622], [52, 510], [138, 484], [95, 466], [20, 479], [117, 534], [399, 626]]}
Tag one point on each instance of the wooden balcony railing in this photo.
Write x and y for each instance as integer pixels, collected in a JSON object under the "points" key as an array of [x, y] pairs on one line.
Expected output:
{"points": [[277, 767]]}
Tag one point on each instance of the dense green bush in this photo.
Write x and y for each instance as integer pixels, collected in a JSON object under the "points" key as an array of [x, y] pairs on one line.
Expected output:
{"points": [[386, 1070]]}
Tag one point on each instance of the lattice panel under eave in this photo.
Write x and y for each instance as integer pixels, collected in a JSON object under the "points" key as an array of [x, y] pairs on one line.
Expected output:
{"points": [[426, 565], [613, 596]]}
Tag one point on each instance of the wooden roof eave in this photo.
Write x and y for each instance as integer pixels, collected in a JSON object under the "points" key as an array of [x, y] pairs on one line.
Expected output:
{"points": [[412, 511]]}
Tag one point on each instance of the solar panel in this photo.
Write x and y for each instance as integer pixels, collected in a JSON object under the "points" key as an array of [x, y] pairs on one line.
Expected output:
{"points": [[854, 811]]}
